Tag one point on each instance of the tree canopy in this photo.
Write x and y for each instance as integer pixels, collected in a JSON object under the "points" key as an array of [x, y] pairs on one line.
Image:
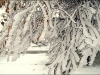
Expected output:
{"points": [[72, 28]]}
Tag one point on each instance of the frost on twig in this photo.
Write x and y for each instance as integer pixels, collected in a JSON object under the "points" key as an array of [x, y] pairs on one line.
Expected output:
{"points": [[73, 34], [77, 42]]}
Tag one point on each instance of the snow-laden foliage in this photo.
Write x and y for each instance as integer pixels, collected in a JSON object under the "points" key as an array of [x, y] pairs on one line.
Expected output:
{"points": [[72, 32]]}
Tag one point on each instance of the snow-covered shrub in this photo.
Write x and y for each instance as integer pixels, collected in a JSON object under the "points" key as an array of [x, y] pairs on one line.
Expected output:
{"points": [[72, 32]]}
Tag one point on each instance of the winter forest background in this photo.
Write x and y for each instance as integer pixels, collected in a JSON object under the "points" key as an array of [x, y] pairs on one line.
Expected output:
{"points": [[56, 36]]}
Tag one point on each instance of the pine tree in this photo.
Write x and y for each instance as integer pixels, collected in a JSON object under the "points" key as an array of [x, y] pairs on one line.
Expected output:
{"points": [[72, 29]]}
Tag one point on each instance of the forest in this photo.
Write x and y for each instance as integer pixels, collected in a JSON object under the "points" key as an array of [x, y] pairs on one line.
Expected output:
{"points": [[71, 28]]}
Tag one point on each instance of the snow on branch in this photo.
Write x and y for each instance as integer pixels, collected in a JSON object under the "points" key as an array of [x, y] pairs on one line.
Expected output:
{"points": [[73, 34]]}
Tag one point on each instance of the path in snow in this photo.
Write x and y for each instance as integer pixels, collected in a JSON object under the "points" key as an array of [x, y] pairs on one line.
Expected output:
{"points": [[35, 64], [27, 64]]}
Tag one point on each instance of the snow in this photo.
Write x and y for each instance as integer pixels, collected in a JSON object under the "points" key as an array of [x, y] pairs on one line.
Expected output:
{"points": [[35, 63], [34, 47], [1, 14], [88, 70], [27, 64]]}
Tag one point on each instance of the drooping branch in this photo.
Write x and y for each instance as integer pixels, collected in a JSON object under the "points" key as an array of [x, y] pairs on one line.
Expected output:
{"points": [[73, 34]]}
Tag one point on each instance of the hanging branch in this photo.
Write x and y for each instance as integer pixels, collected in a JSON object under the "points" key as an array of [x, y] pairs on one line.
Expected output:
{"points": [[73, 34]]}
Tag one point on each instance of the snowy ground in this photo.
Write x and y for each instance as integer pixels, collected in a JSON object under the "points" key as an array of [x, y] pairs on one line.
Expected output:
{"points": [[27, 64], [88, 70], [35, 63]]}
